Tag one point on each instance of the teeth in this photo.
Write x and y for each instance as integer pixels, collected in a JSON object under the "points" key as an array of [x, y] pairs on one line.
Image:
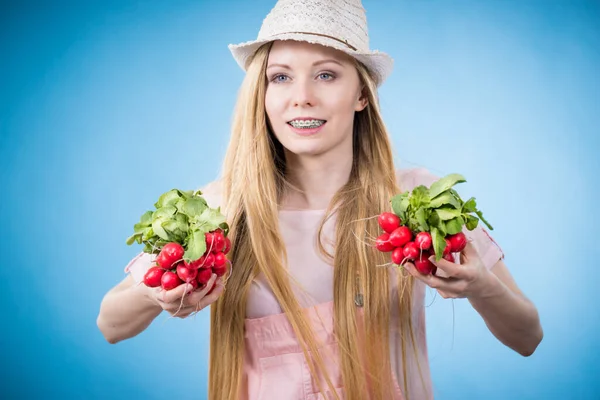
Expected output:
{"points": [[309, 123]]}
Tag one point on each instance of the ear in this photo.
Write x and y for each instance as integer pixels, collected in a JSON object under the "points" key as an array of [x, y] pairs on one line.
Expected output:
{"points": [[362, 101]]}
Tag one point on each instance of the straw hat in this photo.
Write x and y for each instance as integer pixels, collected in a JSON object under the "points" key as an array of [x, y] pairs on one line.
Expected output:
{"points": [[341, 24]]}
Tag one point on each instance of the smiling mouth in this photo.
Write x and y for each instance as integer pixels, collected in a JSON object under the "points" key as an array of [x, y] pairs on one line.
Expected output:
{"points": [[307, 124]]}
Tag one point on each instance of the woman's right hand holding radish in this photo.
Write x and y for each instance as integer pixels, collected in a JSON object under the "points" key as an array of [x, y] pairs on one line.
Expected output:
{"points": [[184, 300]]}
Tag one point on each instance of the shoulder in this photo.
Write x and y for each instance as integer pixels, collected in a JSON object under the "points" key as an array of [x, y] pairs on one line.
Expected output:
{"points": [[409, 178], [213, 193]]}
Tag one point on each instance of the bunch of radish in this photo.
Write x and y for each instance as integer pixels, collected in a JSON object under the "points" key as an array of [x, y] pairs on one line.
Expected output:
{"points": [[428, 222], [416, 247], [172, 270], [188, 238]]}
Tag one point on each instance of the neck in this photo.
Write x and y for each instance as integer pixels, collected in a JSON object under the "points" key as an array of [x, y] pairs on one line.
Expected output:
{"points": [[314, 180]]}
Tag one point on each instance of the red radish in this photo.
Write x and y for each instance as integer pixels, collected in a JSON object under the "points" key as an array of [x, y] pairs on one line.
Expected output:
{"points": [[170, 280], [449, 257], [388, 221], [458, 242], [203, 276], [209, 261], [195, 264], [397, 255], [153, 276], [423, 240], [227, 246], [423, 265], [170, 254], [210, 241], [448, 248], [400, 236], [186, 274], [194, 284], [382, 243], [220, 259], [218, 241], [220, 271], [411, 251]]}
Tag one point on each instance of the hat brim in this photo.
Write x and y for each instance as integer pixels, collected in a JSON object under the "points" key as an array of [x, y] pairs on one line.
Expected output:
{"points": [[379, 63]]}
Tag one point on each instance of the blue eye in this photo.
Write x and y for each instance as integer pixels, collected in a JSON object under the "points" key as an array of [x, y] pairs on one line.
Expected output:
{"points": [[276, 78], [326, 76]]}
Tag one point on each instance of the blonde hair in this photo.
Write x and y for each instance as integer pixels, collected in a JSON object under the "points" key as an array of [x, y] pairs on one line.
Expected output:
{"points": [[253, 182]]}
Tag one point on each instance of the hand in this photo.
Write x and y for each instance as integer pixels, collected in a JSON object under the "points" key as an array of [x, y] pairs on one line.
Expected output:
{"points": [[466, 280], [181, 301]]}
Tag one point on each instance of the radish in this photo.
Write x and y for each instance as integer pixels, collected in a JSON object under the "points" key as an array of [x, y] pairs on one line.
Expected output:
{"points": [[449, 257], [210, 241], [411, 251], [218, 241], [169, 255], [220, 259], [186, 274], [227, 245], [423, 240], [458, 242], [382, 243], [203, 276], [398, 255], [400, 236], [423, 265], [388, 221], [152, 277], [170, 280], [448, 248], [220, 271]]}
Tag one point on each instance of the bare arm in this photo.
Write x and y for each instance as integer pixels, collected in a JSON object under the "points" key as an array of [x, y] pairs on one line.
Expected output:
{"points": [[510, 316], [493, 293], [128, 308]]}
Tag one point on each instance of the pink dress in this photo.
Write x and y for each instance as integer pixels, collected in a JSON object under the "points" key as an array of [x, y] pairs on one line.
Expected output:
{"points": [[274, 365]]}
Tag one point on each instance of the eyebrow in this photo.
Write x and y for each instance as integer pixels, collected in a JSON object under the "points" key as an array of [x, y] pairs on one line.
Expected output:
{"points": [[329, 60]]}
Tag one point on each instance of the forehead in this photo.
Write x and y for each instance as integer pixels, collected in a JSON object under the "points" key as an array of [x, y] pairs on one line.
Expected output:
{"points": [[294, 52]]}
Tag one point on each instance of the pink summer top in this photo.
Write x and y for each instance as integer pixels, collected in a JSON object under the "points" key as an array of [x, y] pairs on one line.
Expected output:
{"points": [[274, 365]]}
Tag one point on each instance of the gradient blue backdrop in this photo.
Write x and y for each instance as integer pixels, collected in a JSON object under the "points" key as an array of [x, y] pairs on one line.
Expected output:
{"points": [[105, 105]]}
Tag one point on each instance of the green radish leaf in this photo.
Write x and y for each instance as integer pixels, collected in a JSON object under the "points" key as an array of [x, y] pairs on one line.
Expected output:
{"points": [[483, 219], [472, 221], [445, 183], [400, 205], [194, 206], [132, 239], [158, 229], [454, 225], [445, 199], [146, 218], [420, 197], [446, 214], [439, 243], [167, 198], [148, 233], [469, 206], [421, 216], [196, 245], [164, 212]]}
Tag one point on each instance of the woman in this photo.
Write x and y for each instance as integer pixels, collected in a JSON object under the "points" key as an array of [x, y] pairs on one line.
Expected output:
{"points": [[307, 313]]}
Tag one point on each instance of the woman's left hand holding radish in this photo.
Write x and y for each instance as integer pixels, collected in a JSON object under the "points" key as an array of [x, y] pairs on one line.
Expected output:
{"points": [[469, 279]]}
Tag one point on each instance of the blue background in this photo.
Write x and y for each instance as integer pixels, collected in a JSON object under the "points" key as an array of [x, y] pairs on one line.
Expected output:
{"points": [[103, 106]]}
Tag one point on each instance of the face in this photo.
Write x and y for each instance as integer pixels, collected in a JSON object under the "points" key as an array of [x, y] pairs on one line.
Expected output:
{"points": [[312, 95]]}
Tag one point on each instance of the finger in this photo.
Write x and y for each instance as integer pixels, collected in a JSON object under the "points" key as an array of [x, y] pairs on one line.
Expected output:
{"points": [[451, 269], [469, 252], [211, 298], [175, 295], [432, 281], [199, 294]]}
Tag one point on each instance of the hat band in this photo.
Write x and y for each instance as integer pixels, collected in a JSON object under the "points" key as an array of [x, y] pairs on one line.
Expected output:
{"points": [[320, 34]]}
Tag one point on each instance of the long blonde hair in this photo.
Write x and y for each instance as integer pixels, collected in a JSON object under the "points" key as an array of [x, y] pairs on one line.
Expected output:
{"points": [[253, 182]]}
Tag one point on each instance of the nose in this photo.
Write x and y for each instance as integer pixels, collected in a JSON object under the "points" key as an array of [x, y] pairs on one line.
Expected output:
{"points": [[303, 94]]}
